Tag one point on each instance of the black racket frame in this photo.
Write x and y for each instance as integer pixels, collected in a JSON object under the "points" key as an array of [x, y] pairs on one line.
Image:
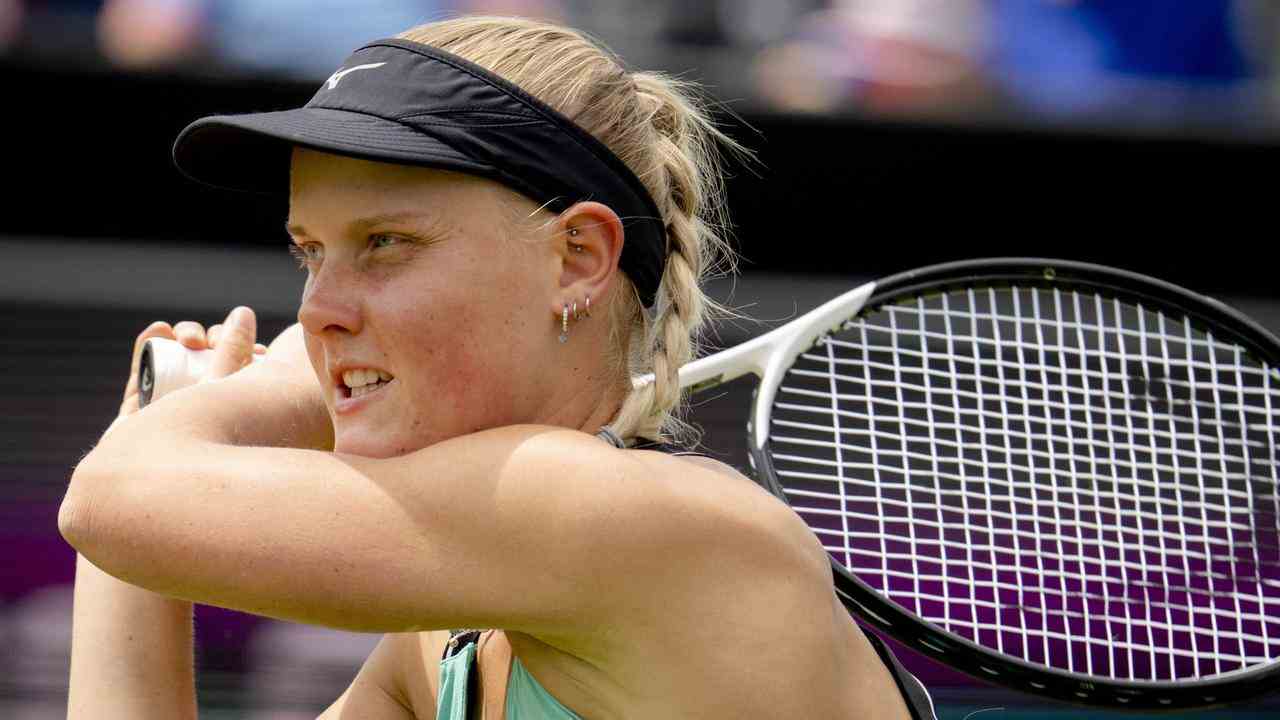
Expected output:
{"points": [[962, 654]]}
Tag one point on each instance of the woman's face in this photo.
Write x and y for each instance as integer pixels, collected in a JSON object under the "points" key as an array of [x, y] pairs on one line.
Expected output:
{"points": [[430, 277]]}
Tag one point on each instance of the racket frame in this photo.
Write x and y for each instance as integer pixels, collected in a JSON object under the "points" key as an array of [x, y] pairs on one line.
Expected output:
{"points": [[769, 356]]}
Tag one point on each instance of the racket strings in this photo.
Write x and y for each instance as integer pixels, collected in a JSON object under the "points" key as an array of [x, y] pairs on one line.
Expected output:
{"points": [[1065, 477]]}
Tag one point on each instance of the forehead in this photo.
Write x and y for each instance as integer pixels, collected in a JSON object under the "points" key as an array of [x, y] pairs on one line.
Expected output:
{"points": [[314, 173], [325, 187]]}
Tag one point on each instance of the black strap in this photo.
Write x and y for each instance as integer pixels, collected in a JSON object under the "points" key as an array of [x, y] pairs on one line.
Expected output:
{"points": [[919, 704], [612, 438], [647, 444], [458, 641]]}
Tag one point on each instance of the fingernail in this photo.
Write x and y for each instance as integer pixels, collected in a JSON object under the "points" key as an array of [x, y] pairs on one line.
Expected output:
{"points": [[241, 314]]}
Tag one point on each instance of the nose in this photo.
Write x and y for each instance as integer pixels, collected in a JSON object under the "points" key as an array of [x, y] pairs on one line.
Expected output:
{"points": [[330, 302]]}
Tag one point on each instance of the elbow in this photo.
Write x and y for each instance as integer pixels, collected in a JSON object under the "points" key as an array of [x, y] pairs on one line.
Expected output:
{"points": [[75, 512], [73, 517]]}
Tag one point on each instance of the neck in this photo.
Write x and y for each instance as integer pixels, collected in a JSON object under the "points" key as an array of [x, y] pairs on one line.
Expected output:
{"points": [[588, 403]]}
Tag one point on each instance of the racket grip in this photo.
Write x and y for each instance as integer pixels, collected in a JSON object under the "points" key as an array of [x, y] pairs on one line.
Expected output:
{"points": [[168, 365]]}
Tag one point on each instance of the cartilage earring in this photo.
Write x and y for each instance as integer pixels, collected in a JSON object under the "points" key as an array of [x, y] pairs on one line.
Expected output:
{"points": [[573, 232], [564, 324]]}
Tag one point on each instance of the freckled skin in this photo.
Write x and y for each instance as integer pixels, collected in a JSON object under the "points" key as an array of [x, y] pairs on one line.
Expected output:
{"points": [[458, 312]]}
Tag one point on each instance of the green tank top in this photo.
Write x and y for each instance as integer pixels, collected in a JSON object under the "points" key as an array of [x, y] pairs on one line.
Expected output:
{"points": [[526, 699]]}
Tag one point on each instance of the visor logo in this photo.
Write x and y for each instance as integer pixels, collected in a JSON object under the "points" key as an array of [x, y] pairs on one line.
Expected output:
{"points": [[334, 78]]}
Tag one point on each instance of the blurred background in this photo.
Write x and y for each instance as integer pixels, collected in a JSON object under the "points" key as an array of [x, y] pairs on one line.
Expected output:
{"points": [[891, 134]]}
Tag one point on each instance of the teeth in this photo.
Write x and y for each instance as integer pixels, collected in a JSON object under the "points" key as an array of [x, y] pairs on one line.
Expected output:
{"points": [[366, 389], [364, 376]]}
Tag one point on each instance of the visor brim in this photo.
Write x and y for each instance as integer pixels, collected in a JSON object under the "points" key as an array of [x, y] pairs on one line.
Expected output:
{"points": [[252, 152]]}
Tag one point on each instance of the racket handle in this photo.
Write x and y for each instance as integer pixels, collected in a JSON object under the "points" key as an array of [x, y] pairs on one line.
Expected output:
{"points": [[168, 365]]}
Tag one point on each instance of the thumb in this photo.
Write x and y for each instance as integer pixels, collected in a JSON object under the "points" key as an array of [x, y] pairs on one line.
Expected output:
{"points": [[235, 346]]}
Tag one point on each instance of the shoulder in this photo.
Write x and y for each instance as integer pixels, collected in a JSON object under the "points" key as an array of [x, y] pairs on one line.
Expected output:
{"points": [[698, 530], [739, 507]]}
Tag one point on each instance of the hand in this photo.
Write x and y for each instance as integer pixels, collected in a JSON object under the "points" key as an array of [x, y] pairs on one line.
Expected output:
{"points": [[231, 354]]}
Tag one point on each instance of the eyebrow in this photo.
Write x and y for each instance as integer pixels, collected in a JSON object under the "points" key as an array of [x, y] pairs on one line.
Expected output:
{"points": [[364, 223]]}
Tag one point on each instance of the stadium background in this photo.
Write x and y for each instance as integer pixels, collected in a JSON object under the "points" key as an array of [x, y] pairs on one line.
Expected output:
{"points": [[891, 134]]}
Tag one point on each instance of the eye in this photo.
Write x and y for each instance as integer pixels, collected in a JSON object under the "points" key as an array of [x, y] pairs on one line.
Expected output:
{"points": [[377, 240], [303, 254]]}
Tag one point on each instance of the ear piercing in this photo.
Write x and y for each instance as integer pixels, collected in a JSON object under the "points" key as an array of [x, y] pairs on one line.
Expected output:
{"points": [[564, 317]]}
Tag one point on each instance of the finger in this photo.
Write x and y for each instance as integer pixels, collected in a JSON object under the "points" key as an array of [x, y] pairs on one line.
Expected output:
{"points": [[158, 329], [235, 349], [212, 334], [191, 334]]}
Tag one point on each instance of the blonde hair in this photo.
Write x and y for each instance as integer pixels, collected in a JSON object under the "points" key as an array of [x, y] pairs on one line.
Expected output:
{"points": [[662, 130]]}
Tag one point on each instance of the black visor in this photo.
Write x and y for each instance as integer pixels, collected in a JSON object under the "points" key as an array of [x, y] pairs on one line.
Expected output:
{"points": [[403, 102]]}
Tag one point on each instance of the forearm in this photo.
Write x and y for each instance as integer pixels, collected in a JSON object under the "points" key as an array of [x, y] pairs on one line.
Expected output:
{"points": [[251, 408], [131, 651], [155, 448]]}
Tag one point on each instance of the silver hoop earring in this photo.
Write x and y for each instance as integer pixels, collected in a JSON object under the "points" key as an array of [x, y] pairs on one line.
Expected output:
{"points": [[564, 324]]}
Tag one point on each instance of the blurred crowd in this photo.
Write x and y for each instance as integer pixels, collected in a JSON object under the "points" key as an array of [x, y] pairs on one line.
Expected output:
{"points": [[1132, 60], [1136, 59], [282, 38]]}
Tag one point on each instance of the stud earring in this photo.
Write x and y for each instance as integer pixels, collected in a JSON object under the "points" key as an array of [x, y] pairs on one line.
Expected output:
{"points": [[564, 324], [573, 232]]}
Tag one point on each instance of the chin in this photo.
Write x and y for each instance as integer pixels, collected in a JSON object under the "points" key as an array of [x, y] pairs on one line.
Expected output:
{"points": [[377, 448]]}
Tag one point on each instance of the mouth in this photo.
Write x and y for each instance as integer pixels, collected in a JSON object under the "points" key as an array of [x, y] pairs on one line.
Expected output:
{"points": [[350, 392], [353, 385]]}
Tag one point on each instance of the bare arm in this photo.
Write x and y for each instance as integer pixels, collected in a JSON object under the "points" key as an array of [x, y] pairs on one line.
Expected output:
{"points": [[378, 692], [131, 651], [536, 529], [131, 648]]}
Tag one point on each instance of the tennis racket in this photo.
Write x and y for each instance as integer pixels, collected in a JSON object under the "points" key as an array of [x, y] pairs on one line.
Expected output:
{"points": [[1055, 476], [166, 365]]}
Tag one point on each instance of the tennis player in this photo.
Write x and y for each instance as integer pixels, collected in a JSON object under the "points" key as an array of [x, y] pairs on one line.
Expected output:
{"points": [[501, 225]]}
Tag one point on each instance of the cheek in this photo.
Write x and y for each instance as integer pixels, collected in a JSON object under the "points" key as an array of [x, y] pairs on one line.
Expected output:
{"points": [[470, 362]]}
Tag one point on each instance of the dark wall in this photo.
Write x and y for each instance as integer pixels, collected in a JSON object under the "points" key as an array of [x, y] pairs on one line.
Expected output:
{"points": [[88, 155]]}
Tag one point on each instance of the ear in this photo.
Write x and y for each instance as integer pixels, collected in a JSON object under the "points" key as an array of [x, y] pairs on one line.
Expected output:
{"points": [[588, 239]]}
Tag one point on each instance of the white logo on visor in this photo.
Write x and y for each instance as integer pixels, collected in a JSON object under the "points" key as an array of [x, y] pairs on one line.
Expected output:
{"points": [[334, 78]]}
